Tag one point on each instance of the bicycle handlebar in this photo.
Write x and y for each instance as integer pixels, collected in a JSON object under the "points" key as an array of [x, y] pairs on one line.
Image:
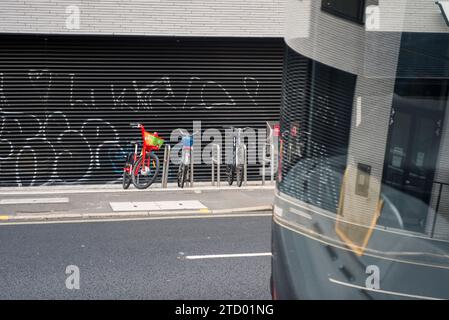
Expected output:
{"points": [[186, 133]]}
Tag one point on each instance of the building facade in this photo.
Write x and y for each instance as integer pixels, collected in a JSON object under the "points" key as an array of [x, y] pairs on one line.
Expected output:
{"points": [[363, 181], [74, 74]]}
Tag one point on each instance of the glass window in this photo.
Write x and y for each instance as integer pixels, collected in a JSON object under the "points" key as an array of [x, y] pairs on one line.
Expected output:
{"points": [[348, 9], [411, 153]]}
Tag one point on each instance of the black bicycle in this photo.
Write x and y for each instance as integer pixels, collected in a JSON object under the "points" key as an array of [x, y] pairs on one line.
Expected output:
{"points": [[236, 168]]}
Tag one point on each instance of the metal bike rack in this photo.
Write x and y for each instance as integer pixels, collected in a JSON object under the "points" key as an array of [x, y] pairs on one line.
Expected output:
{"points": [[245, 166], [266, 159], [216, 161], [245, 163], [191, 167], [166, 166]]}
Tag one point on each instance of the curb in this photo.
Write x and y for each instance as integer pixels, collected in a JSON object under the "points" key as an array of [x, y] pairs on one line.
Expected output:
{"points": [[135, 214], [103, 189]]}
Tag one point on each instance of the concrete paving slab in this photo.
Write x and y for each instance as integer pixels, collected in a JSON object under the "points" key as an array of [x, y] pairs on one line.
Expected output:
{"points": [[147, 202], [157, 205], [34, 200], [180, 205]]}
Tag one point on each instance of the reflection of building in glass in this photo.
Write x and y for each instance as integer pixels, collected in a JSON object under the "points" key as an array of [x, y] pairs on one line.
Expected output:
{"points": [[371, 182]]}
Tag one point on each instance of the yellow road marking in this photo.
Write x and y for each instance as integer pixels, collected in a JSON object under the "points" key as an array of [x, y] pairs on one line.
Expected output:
{"points": [[4, 217], [204, 210]]}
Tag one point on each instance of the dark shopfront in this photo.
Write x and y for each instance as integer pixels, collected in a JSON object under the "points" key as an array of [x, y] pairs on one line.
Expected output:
{"points": [[66, 101]]}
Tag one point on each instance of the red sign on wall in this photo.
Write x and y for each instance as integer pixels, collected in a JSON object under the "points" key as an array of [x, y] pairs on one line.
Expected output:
{"points": [[276, 130]]}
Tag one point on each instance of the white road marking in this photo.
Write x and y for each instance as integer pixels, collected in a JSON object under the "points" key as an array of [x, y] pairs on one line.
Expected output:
{"points": [[237, 255], [34, 200], [204, 216], [406, 295], [157, 205]]}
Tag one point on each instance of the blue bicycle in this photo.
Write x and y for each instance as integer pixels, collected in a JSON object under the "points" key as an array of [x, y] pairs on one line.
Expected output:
{"points": [[186, 158]]}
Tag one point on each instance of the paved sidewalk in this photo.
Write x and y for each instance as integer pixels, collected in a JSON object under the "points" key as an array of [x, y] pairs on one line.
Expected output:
{"points": [[82, 202]]}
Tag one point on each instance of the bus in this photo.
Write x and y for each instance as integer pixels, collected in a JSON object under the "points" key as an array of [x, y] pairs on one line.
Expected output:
{"points": [[361, 208]]}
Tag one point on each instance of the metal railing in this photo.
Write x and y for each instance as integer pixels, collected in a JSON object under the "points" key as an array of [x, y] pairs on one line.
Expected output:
{"points": [[265, 160], [216, 161]]}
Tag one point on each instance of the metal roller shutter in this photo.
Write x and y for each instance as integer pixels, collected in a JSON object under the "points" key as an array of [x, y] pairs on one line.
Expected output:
{"points": [[66, 101]]}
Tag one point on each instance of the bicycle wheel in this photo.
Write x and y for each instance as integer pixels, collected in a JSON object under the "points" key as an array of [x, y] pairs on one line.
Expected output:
{"points": [[145, 171], [230, 174], [126, 180], [239, 175], [182, 175]]}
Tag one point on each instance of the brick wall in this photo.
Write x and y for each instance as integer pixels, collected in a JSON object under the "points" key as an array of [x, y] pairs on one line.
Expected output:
{"points": [[249, 18]]}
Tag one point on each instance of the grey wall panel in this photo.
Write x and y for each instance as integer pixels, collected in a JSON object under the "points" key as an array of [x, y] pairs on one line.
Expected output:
{"points": [[220, 18]]}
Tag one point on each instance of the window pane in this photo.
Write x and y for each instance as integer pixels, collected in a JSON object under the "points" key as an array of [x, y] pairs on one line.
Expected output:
{"points": [[347, 8]]}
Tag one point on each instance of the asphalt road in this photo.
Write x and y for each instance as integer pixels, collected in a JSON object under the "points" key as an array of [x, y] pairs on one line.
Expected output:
{"points": [[137, 259]]}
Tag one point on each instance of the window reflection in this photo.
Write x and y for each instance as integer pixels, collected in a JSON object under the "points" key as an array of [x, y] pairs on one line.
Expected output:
{"points": [[412, 149], [316, 120], [318, 103]]}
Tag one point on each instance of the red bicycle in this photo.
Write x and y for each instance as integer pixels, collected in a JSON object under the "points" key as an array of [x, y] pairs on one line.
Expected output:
{"points": [[142, 170]]}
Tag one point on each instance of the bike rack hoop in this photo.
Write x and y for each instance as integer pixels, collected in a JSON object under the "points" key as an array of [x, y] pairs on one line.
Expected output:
{"points": [[191, 166], [266, 159], [216, 162], [167, 151], [245, 165]]}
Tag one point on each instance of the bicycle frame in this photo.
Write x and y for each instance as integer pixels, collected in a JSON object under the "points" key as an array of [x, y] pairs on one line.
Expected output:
{"points": [[187, 144], [237, 148], [186, 150], [237, 168], [146, 148]]}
